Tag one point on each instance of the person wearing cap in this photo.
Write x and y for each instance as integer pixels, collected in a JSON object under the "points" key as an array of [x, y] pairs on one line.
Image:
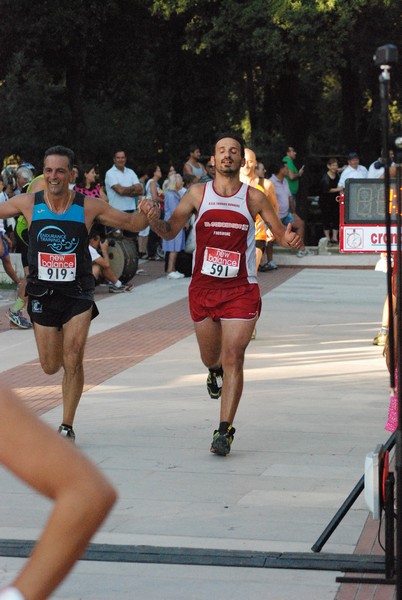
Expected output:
{"points": [[354, 170]]}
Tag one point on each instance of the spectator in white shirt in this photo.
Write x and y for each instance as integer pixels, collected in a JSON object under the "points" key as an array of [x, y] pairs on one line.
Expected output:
{"points": [[376, 169], [122, 184], [353, 171]]}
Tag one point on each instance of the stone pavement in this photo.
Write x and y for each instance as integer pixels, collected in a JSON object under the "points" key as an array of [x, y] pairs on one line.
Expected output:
{"points": [[314, 404]]}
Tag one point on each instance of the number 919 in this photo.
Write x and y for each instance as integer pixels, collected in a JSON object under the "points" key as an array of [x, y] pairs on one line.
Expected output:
{"points": [[57, 273]]}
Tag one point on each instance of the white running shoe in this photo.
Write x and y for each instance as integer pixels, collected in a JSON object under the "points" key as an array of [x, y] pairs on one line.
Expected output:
{"points": [[305, 252], [175, 275]]}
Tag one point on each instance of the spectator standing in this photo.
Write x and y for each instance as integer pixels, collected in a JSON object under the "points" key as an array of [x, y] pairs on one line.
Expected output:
{"points": [[171, 171], [260, 170], [86, 183], [154, 191], [210, 171], [294, 174], [74, 176], [15, 312], [269, 190], [376, 169], [122, 184], [329, 191], [286, 208], [193, 164], [5, 246], [122, 188], [23, 177], [188, 181], [247, 175], [354, 170]]}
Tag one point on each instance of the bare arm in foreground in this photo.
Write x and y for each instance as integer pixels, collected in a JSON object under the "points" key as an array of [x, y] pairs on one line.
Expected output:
{"points": [[57, 470]]}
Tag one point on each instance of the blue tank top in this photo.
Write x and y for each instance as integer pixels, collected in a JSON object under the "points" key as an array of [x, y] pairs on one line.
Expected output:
{"points": [[58, 250]]}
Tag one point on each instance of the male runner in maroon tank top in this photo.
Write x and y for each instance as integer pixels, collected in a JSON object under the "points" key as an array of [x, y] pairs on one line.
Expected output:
{"points": [[224, 296]]}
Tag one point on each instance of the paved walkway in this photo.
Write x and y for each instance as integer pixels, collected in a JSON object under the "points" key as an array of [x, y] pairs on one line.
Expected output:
{"points": [[314, 404]]}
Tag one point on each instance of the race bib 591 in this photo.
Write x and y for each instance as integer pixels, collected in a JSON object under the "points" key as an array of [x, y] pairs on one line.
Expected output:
{"points": [[220, 263]]}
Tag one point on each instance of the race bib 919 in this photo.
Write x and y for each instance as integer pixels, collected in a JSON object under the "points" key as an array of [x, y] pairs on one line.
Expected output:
{"points": [[220, 263], [56, 267]]}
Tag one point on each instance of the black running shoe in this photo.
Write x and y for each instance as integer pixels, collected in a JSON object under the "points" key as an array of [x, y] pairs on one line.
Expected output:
{"points": [[214, 382], [67, 432], [221, 442]]}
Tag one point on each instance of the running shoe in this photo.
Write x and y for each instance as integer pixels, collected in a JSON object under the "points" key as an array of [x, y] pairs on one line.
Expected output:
{"points": [[214, 383], [221, 442], [175, 275], [380, 339], [113, 289], [305, 252], [272, 266], [67, 432], [17, 318]]}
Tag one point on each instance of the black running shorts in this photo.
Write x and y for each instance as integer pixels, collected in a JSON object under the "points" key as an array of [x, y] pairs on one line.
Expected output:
{"points": [[55, 309]]}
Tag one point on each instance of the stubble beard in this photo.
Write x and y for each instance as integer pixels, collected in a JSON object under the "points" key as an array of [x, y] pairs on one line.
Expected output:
{"points": [[229, 171], [56, 189]]}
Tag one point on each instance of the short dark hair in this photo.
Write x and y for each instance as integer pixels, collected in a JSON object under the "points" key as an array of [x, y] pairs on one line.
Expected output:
{"points": [[332, 160], [97, 230], [277, 166], [93, 234], [61, 151], [233, 136], [192, 148]]}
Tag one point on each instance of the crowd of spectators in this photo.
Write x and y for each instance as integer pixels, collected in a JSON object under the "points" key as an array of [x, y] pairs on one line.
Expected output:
{"points": [[123, 188]]}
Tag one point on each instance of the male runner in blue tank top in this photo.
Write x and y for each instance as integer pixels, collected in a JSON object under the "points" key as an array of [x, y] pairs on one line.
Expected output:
{"points": [[60, 284]]}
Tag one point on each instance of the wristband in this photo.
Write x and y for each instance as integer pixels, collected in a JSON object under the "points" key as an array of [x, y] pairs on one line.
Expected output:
{"points": [[11, 593]]}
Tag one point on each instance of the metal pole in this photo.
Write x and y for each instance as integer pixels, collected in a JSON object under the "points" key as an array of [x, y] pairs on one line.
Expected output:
{"points": [[398, 451], [350, 500], [384, 99], [385, 57], [389, 527]]}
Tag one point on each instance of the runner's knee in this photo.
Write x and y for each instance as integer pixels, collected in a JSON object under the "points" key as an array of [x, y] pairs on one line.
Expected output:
{"points": [[50, 367]]}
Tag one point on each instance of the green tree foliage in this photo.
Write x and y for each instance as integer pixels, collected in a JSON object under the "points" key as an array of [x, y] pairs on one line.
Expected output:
{"points": [[153, 76]]}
